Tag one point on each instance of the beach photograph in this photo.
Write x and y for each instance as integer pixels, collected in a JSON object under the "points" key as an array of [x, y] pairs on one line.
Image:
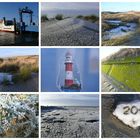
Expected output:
{"points": [[120, 23], [19, 23], [120, 69], [69, 23], [70, 70], [19, 70], [69, 116], [120, 115], [19, 116]]}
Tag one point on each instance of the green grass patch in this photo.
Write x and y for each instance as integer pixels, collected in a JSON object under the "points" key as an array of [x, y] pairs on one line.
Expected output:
{"points": [[106, 68], [128, 74], [34, 69], [23, 75], [125, 60]]}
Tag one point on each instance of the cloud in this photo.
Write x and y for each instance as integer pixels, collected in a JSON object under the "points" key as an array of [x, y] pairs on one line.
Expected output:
{"points": [[70, 100], [69, 6]]}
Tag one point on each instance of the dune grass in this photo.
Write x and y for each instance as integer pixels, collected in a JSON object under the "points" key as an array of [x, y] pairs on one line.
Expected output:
{"points": [[44, 18], [9, 68], [59, 17], [92, 18], [20, 67], [24, 73]]}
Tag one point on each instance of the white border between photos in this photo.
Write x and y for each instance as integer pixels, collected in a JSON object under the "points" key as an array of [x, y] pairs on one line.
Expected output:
{"points": [[99, 93]]}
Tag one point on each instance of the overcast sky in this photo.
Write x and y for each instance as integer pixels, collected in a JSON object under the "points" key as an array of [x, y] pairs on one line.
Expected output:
{"points": [[69, 8], [69, 100], [69, 5], [107, 51]]}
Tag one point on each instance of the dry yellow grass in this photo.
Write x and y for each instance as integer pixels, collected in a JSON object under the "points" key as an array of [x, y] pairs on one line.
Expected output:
{"points": [[131, 16], [13, 64]]}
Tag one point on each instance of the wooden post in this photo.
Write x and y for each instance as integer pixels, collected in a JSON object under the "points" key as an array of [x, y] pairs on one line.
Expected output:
{"points": [[4, 19], [15, 28]]}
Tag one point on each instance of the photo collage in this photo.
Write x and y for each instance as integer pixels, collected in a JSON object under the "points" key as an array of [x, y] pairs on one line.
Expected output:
{"points": [[69, 69]]}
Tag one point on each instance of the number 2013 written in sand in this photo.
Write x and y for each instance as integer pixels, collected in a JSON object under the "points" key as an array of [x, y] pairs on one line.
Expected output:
{"points": [[130, 109]]}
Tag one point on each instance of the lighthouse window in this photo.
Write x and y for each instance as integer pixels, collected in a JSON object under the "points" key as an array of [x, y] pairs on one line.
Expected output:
{"points": [[8, 23]]}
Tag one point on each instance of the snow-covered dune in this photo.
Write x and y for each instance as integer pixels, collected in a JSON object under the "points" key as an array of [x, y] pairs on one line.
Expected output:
{"points": [[70, 32], [70, 122]]}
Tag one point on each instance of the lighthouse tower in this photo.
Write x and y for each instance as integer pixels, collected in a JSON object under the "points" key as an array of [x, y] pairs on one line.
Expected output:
{"points": [[68, 70]]}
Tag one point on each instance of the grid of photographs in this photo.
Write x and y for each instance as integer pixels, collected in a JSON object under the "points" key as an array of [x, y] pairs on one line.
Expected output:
{"points": [[69, 70]]}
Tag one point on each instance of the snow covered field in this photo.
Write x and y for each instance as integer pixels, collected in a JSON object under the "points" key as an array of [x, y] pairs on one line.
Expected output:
{"points": [[69, 32], [19, 115], [5, 76], [69, 122]]}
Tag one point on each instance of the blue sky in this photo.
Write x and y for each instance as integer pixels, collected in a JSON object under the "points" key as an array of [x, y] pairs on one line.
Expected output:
{"points": [[9, 52], [10, 10], [69, 8], [120, 6], [69, 100]]}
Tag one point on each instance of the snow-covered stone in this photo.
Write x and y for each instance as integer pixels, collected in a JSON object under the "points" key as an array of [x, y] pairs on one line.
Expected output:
{"points": [[5, 76], [129, 113]]}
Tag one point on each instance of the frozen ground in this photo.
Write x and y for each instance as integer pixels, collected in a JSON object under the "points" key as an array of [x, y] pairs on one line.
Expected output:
{"points": [[69, 122], [69, 32], [19, 115], [111, 125], [31, 85]]}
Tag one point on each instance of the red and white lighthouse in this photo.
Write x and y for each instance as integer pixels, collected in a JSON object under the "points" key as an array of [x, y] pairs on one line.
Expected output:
{"points": [[68, 70]]}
